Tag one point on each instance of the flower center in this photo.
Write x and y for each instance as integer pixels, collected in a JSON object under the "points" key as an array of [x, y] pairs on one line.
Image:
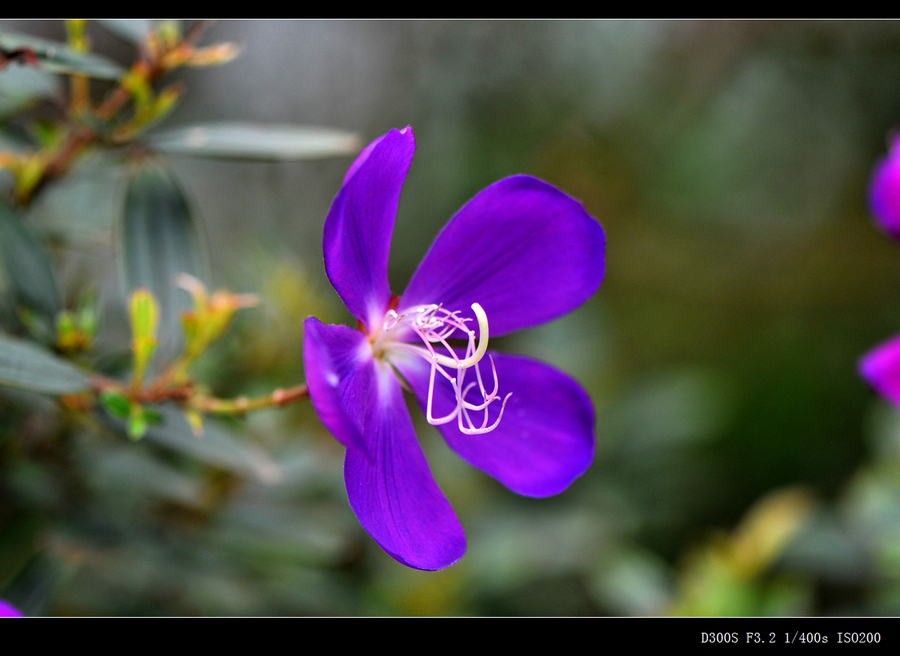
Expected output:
{"points": [[433, 326]]}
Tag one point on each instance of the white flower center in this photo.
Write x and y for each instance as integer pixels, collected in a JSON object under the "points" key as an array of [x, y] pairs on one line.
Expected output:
{"points": [[434, 326]]}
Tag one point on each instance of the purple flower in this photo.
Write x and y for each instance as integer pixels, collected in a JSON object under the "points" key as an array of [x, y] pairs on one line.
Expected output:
{"points": [[881, 366], [884, 194], [881, 369], [518, 254], [8, 610]]}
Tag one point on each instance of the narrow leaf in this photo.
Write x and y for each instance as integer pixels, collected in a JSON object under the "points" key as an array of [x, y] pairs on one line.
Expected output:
{"points": [[56, 57], [160, 239], [28, 266], [24, 365], [116, 403], [24, 85], [257, 142], [137, 422], [143, 311], [134, 30]]}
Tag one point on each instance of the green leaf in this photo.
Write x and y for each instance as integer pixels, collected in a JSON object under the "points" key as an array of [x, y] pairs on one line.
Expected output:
{"points": [[137, 422], [134, 30], [24, 85], [116, 403], [56, 57], [82, 205], [257, 142], [160, 239], [28, 266], [153, 416], [24, 365], [144, 313]]}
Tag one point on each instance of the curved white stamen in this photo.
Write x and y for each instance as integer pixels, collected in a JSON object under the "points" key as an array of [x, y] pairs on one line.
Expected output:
{"points": [[434, 326], [482, 343], [428, 406], [470, 429]]}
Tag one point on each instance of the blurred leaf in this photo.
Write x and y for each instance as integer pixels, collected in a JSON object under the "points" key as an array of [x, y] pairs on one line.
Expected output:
{"points": [[28, 266], [673, 410], [22, 85], [725, 576], [75, 330], [25, 365], [137, 84], [168, 33], [137, 422], [265, 529], [261, 142], [35, 587], [765, 153], [149, 108], [160, 240], [126, 472], [134, 30], [144, 313], [216, 447], [709, 586], [219, 53], [116, 403], [211, 316], [81, 206], [87, 313], [76, 30], [55, 57], [769, 526], [515, 547], [633, 582], [830, 550]]}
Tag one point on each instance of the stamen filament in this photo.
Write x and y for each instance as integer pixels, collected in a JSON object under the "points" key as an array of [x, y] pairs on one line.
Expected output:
{"points": [[482, 343], [435, 326]]}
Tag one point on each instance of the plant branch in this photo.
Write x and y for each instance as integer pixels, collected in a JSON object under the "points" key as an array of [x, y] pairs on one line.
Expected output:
{"points": [[277, 399], [187, 395]]}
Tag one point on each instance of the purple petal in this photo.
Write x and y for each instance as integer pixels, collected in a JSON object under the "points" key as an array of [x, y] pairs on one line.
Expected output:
{"points": [[545, 439], [339, 372], [393, 493], [361, 221], [521, 248], [884, 194], [881, 369], [8, 610]]}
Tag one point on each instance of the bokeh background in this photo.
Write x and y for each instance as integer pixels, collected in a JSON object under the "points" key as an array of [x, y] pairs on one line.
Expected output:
{"points": [[742, 465]]}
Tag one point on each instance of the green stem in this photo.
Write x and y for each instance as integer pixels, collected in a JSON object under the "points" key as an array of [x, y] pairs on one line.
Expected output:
{"points": [[242, 404], [185, 395]]}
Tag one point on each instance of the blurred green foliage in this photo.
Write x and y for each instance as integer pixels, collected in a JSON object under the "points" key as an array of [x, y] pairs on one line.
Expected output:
{"points": [[742, 466]]}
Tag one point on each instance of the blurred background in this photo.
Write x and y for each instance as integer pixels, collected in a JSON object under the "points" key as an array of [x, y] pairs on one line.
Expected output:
{"points": [[742, 465]]}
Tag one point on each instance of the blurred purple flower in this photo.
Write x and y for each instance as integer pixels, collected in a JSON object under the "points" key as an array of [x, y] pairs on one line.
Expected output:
{"points": [[518, 254], [881, 366], [8, 610], [881, 369], [884, 194]]}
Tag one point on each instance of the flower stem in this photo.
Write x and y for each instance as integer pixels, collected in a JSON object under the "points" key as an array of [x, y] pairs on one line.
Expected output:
{"points": [[187, 395], [240, 405]]}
